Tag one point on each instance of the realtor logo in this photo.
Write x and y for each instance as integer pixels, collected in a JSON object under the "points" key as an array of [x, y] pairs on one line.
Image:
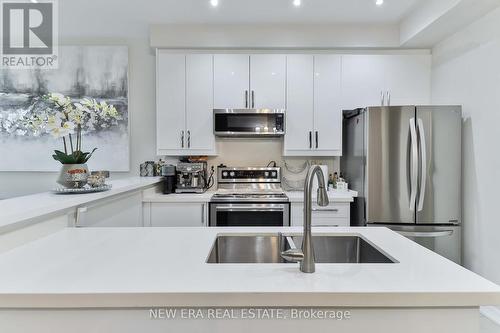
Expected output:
{"points": [[29, 34]]}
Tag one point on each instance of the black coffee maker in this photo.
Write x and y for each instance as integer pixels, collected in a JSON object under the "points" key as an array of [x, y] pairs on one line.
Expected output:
{"points": [[169, 178]]}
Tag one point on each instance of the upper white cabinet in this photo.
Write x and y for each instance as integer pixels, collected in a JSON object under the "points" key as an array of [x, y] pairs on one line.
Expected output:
{"points": [[376, 80], [249, 81], [314, 109], [300, 103], [184, 104], [267, 81], [231, 81], [327, 104]]}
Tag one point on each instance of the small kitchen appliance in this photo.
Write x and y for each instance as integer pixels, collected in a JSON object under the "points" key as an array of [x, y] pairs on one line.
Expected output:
{"points": [[169, 175], [249, 197], [191, 177]]}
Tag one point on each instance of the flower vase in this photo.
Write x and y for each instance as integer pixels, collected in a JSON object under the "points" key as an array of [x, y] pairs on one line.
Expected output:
{"points": [[73, 175]]}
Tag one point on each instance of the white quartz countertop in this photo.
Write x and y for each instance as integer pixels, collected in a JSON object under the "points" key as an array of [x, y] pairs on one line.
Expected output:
{"points": [[146, 267], [333, 195], [15, 211], [294, 196]]}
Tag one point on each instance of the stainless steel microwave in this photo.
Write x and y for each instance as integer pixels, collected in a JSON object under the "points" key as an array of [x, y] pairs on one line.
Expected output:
{"points": [[249, 122]]}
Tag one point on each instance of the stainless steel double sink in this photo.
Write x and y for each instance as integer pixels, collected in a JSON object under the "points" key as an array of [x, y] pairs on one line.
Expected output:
{"points": [[267, 248]]}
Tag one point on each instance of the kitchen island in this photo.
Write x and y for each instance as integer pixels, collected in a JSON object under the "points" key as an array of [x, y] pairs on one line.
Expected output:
{"points": [[129, 279]]}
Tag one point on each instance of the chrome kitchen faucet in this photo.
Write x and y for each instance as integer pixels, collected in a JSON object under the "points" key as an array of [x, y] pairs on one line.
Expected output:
{"points": [[306, 255]]}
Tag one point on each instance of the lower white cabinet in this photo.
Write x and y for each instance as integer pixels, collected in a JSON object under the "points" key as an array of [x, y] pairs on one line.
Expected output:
{"points": [[120, 211], [333, 215], [168, 214]]}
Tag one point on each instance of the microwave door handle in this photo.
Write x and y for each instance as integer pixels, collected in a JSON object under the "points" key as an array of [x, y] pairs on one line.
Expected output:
{"points": [[413, 164], [423, 163]]}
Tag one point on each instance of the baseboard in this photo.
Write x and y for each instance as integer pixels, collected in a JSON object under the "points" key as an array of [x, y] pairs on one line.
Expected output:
{"points": [[492, 313]]}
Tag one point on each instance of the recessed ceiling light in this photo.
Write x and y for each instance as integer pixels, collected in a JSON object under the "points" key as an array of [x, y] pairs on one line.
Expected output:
{"points": [[297, 3], [214, 3], [379, 2]]}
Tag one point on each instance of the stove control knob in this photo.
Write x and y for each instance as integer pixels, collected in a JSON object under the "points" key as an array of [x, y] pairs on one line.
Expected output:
{"points": [[224, 174], [266, 174], [232, 174], [273, 174]]}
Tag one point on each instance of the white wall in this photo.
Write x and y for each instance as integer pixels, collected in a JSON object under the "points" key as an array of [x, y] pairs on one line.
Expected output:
{"points": [[466, 71]]}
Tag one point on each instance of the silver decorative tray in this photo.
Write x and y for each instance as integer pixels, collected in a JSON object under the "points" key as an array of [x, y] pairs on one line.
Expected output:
{"points": [[85, 189]]}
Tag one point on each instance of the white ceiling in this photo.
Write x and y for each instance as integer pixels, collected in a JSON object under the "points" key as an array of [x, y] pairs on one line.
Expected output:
{"points": [[246, 11], [111, 16]]}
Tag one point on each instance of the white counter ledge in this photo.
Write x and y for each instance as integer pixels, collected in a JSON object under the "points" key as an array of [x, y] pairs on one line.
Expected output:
{"points": [[15, 212], [145, 267]]}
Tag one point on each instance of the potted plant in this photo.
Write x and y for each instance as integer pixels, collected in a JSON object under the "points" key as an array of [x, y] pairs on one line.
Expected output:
{"points": [[67, 121]]}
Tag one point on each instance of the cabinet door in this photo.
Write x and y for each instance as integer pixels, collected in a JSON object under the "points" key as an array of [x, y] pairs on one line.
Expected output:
{"points": [[171, 98], [231, 81], [199, 103], [327, 104], [121, 211], [408, 79], [268, 81], [363, 80], [178, 214], [300, 103], [334, 215]]}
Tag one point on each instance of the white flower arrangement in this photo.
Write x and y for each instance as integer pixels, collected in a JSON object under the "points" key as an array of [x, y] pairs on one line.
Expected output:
{"points": [[69, 119]]}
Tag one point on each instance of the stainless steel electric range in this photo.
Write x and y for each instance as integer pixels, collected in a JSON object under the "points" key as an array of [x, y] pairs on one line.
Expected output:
{"points": [[249, 197]]}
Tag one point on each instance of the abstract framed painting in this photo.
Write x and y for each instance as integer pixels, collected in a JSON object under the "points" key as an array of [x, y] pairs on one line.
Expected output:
{"points": [[85, 72]]}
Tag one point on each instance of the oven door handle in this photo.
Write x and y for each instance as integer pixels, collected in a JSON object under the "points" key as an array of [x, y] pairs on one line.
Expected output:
{"points": [[249, 209]]}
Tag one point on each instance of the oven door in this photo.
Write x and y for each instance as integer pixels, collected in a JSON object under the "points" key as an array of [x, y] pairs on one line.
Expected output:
{"points": [[249, 122], [249, 214]]}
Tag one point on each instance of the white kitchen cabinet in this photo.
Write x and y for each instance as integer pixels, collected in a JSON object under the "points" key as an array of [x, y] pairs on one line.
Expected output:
{"points": [[184, 104], [314, 110], [375, 80], [333, 215], [199, 103], [267, 81], [185, 214], [231, 81], [249, 81], [171, 101], [120, 211], [300, 103], [327, 104]]}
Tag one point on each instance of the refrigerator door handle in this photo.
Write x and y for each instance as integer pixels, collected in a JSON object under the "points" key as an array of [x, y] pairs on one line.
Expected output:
{"points": [[423, 234], [413, 164], [423, 164]]}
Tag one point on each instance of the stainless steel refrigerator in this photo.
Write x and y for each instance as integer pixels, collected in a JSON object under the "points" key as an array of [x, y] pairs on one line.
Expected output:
{"points": [[405, 163]]}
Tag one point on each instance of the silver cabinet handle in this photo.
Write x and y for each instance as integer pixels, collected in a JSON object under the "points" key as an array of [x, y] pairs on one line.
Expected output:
{"points": [[310, 139], [317, 139], [335, 210], [189, 139], [423, 234], [80, 216], [388, 98], [423, 163], [182, 139], [413, 164], [253, 98], [203, 214], [246, 99], [382, 98]]}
